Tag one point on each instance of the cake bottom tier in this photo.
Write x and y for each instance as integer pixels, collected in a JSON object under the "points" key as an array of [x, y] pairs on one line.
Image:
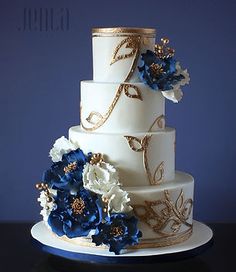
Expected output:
{"points": [[164, 212]]}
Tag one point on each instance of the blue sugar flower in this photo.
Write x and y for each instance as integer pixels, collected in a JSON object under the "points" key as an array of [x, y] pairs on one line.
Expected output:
{"points": [[158, 73], [118, 231], [75, 215], [67, 174]]}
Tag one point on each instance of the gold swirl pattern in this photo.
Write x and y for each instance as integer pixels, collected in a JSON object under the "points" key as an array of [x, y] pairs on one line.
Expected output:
{"points": [[159, 122], [138, 145], [133, 43], [165, 217], [96, 119]]}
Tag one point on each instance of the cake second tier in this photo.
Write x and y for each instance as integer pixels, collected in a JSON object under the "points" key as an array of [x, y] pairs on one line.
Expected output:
{"points": [[141, 158], [121, 107]]}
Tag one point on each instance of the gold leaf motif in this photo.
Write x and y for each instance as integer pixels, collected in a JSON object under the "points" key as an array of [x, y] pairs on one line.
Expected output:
{"points": [[94, 117], [160, 214], [158, 174], [130, 43], [136, 92], [187, 208], [180, 201], [135, 143], [159, 122]]}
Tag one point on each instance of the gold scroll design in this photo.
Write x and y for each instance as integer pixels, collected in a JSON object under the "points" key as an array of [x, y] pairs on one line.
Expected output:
{"points": [[159, 123], [132, 43], [141, 145], [97, 119], [165, 217]]}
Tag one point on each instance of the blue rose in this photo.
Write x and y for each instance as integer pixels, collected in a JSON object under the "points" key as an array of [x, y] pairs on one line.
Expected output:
{"points": [[158, 73], [118, 231], [75, 215], [67, 173]]}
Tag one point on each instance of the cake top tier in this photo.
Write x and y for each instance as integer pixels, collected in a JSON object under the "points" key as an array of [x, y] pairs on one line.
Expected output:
{"points": [[131, 55], [117, 52], [117, 31]]}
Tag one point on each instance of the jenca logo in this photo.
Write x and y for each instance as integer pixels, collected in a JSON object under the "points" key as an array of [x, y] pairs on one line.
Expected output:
{"points": [[45, 19]]}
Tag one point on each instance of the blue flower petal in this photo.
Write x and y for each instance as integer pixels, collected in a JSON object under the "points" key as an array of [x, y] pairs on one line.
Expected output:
{"points": [[129, 232], [163, 81], [65, 221], [55, 221]]}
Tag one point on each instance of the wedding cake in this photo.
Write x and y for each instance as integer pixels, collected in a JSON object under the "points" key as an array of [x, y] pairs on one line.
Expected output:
{"points": [[113, 184]]}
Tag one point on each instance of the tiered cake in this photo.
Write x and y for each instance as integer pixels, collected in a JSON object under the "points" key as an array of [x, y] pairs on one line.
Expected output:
{"points": [[123, 123]]}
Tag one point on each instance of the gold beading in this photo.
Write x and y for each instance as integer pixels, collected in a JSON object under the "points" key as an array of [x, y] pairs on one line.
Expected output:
{"points": [[127, 30], [164, 216]]}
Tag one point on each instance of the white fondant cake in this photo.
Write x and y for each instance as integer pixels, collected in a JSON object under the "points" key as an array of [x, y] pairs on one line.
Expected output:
{"points": [[124, 134]]}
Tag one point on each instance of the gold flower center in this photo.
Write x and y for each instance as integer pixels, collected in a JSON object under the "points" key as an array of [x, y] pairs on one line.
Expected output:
{"points": [[156, 69], [70, 167], [116, 231], [78, 206]]}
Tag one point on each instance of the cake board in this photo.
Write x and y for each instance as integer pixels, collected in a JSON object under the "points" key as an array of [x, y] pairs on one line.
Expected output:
{"points": [[199, 241]]}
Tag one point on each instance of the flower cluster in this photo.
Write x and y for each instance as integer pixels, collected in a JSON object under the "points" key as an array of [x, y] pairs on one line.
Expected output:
{"points": [[82, 195], [162, 72]]}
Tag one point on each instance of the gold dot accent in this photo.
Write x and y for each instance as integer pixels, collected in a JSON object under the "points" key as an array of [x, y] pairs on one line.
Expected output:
{"points": [[70, 167], [78, 206], [97, 158], [44, 187], [163, 51], [116, 231]]}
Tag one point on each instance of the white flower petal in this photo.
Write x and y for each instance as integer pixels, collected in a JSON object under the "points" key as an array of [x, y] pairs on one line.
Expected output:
{"points": [[118, 200], [47, 207], [100, 178], [174, 95], [61, 147]]}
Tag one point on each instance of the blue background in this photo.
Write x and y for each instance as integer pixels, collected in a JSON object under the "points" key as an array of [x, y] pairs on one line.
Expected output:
{"points": [[39, 87]]}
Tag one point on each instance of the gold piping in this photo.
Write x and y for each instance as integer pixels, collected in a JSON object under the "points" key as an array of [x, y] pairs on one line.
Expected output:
{"points": [[128, 30]]}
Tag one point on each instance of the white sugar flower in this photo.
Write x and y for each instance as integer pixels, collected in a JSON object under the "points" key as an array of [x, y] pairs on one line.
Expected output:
{"points": [[61, 147], [100, 178], [176, 94], [47, 207], [117, 200]]}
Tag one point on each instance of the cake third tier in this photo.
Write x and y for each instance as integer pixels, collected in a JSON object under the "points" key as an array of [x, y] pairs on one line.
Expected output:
{"points": [[141, 158]]}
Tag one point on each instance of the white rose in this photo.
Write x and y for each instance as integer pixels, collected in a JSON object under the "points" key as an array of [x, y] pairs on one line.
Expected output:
{"points": [[47, 207], [118, 200], [176, 94], [100, 178], [61, 147]]}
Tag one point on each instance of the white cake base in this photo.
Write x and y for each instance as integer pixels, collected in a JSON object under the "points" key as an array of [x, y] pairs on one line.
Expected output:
{"points": [[56, 246]]}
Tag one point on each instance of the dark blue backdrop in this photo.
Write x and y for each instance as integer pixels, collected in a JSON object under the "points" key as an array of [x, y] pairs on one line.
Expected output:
{"points": [[39, 85]]}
